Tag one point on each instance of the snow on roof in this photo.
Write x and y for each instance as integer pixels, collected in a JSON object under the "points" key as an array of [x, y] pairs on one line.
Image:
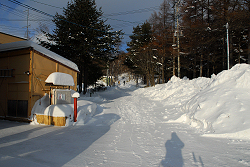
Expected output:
{"points": [[48, 53], [58, 78]]}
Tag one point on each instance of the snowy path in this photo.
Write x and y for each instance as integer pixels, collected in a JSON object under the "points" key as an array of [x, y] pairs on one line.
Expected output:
{"points": [[129, 130]]}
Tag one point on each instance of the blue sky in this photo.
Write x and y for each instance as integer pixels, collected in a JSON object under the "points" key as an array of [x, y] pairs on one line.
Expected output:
{"points": [[121, 15]]}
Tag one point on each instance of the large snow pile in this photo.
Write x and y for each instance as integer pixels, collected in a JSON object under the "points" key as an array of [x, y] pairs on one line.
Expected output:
{"points": [[219, 105]]}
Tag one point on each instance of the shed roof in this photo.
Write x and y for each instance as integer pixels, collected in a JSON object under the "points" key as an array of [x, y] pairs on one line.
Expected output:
{"points": [[40, 49]]}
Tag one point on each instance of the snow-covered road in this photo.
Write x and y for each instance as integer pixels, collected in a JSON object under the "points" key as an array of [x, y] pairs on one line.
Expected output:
{"points": [[128, 130]]}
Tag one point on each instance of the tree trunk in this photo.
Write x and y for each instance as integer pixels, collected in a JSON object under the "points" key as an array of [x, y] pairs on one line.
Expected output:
{"points": [[194, 70], [231, 53], [85, 79], [163, 67], [80, 79], [248, 51], [147, 79], [201, 66], [173, 56]]}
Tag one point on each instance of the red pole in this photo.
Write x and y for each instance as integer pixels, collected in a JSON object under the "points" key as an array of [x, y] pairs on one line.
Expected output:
{"points": [[75, 109]]}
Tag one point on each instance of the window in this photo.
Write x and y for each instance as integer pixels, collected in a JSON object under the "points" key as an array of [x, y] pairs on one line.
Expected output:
{"points": [[6, 72]]}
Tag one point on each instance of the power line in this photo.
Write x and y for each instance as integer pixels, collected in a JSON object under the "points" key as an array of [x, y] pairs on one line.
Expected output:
{"points": [[20, 13], [4, 19], [46, 14], [47, 4], [31, 8], [113, 14], [15, 30], [133, 11]]}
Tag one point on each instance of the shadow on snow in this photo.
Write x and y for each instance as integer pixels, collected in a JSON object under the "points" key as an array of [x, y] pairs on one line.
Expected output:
{"points": [[50, 145], [174, 153]]}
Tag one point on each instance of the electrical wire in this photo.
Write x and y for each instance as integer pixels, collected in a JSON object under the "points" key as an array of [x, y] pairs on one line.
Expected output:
{"points": [[105, 16], [4, 19], [22, 14], [47, 4], [112, 14], [46, 14], [31, 8], [133, 11]]}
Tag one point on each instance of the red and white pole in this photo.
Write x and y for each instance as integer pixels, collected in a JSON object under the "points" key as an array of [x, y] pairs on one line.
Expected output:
{"points": [[75, 96], [75, 109]]}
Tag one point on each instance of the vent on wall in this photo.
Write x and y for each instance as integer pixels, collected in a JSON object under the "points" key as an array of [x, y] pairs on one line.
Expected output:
{"points": [[6, 73]]}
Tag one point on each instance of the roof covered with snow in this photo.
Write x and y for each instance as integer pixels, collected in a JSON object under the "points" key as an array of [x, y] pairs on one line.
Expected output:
{"points": [[40, 49], [58, 78]]}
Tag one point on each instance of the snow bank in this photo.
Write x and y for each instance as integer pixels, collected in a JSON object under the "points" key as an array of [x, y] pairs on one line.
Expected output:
{"points": [[223, 106], [219, 105], [177, 90]]}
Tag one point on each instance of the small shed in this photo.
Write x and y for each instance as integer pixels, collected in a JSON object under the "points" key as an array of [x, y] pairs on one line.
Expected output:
{"points": [[24, 67]]}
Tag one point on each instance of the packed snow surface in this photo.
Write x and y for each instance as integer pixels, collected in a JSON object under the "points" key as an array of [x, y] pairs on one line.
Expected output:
{"points": [[58, 78], [199, 122]]}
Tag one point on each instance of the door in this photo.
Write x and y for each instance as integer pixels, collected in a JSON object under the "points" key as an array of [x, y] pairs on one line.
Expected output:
{"points": [[18, 108]]}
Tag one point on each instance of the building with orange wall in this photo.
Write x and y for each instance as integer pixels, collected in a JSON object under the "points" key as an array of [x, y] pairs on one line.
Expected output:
{"points": [[24, 67]]}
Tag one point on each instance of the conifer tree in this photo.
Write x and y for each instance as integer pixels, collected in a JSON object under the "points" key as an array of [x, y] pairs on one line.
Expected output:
{"points": [[83, 37]]}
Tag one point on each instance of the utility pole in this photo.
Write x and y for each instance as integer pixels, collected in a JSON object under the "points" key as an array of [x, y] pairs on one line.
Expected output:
{"points": [[227, 27], [174, 44], [27, 35], [178, 35]]}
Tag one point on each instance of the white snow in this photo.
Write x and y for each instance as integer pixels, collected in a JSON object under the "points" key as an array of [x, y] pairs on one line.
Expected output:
{"points": [[43, 107], [199, 122], [50, 54], [62, 79], [76, 95]]}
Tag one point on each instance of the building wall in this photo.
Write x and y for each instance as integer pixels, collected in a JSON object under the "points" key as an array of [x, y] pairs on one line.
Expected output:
{"points": [[41, 67], [14, 89], [22, 87], [6, 38]]}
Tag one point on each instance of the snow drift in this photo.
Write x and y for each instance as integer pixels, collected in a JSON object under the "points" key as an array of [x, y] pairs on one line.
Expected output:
{"points": [[217, 106]]}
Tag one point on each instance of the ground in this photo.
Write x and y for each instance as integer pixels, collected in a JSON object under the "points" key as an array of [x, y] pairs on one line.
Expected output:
{"points": [[128, 130]]}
